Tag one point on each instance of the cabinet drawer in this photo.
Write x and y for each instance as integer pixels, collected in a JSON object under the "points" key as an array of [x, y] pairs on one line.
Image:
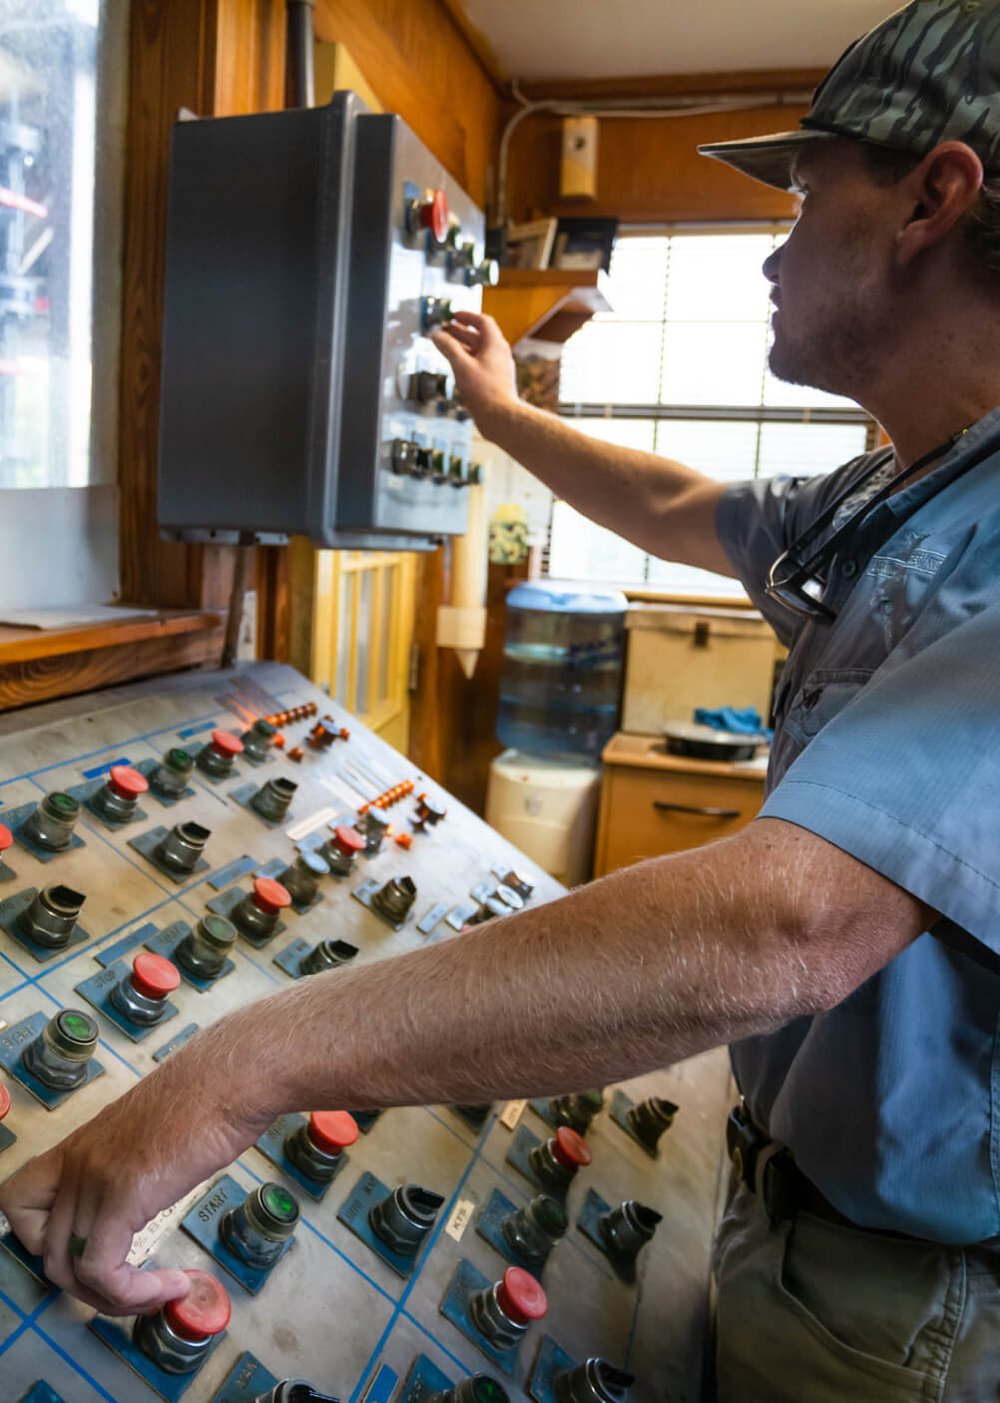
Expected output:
{"points": [[648, 812]]}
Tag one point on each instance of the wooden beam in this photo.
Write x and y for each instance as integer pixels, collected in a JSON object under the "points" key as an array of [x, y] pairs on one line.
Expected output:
{"points": [[667, 85]]}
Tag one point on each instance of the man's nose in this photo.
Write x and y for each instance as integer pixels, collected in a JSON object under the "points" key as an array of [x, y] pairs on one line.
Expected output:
{"points": [[770, 267]]}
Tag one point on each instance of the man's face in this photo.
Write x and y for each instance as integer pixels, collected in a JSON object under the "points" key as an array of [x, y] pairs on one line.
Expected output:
{"points": [[833, 318]]}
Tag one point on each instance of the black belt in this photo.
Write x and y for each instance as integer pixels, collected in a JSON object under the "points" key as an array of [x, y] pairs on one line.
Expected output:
{"points": [[767, 1169]]}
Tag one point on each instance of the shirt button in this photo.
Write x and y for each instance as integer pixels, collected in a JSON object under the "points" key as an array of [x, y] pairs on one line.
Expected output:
{"points": [[849, 569]]}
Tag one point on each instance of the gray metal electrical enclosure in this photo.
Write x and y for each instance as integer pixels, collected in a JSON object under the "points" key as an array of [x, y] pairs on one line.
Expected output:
{"points": [[309, 254]]}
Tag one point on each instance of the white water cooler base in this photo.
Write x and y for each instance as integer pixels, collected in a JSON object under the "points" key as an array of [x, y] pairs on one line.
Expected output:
{"points": [[548, 808]]}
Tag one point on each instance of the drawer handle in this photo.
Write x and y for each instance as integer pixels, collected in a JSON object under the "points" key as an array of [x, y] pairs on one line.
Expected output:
{"points": [[664, 808]]}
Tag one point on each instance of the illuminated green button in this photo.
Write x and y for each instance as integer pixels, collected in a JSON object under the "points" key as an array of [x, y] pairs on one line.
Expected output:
{"points": [[73, 1034], [63, 803], [487, 1390], [279, 1203], [178, 759]]}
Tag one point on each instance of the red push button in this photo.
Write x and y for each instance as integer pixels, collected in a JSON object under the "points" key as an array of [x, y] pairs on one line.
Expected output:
{"points": [[348, 840], [204, 1311], [570, 1149], [226, 743], [434, 215], [270, 896], [6, 838], [4, 1100], [332, 1131], [153, 976], [126, 782], [520, 1296]]}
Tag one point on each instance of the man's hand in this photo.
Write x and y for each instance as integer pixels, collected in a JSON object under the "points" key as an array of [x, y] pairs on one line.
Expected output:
{"points": [[78, 1205], [482, 362]]}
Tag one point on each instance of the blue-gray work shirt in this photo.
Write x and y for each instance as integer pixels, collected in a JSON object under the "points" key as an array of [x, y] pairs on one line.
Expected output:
{"points": [[888, 746]]}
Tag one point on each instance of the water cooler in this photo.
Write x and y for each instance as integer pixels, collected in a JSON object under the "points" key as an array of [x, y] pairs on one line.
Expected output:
{"points": [[560, 693]]}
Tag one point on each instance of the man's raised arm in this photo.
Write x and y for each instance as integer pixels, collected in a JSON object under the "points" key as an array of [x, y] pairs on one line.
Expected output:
{"points": [[664, 507]]}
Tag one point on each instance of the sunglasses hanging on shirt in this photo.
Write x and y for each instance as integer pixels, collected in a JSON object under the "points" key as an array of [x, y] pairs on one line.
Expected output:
{"points": [[799, 577]]}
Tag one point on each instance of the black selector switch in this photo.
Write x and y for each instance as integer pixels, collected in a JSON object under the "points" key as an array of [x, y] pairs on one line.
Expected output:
{"points": [[204, 951], [428, 386], [58, 1057], [257, 1229], [576, 1110], [434, 311], [182, 848], [328, 954], [403, 1219], [649, 1119], [51, 916], [395, 899], [171, 776], [301, 878], [628, 1227], [531, 1232], [376, 825], [595, 1381], [273, 799], [51, 825], [294, 1391]]}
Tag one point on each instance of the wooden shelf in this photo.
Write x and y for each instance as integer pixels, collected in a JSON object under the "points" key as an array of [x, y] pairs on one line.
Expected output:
{"points": [[547, 305], [40, 664]]}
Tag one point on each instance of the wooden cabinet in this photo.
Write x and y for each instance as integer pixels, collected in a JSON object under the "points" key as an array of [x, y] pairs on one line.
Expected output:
{"points": [[654, 803]]}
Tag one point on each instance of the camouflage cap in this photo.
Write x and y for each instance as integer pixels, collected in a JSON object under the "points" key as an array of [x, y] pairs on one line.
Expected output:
{"points": [[928, 73]]}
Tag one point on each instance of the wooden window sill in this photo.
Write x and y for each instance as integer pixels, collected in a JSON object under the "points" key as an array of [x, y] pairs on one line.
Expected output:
{"points": [[42, 664]]}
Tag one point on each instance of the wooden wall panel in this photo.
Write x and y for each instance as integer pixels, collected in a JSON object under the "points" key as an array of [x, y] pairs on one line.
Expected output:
{"points": [[421, 66], [649, 170]]}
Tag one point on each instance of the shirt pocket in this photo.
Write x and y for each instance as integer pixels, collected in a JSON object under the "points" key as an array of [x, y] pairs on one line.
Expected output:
{"points": [[821, 697]]}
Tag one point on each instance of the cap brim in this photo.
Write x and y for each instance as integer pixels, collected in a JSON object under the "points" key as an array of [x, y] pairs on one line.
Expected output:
{"points": [[766, 158]]}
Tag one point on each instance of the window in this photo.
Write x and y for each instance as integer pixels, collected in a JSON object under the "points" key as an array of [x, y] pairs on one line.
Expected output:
{"points": [[56, 230], [680, 368]]}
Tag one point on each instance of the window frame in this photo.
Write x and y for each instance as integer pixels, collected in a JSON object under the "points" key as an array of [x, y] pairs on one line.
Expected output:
{"points": [[762, 414]]}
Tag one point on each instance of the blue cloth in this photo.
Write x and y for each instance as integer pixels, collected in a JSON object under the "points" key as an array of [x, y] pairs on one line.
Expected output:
{"points": [[888, 746], [739, 720]]}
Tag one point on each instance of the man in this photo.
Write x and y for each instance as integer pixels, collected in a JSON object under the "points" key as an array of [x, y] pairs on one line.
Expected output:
{"points": [[846, 941]]}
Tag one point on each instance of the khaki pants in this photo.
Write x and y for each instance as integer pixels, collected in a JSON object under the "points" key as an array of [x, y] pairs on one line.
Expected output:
{"points": [[814, 1313]]}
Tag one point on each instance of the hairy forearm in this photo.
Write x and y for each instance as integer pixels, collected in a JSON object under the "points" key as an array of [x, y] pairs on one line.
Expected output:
{"points": [[660, 505], [633, 972]]}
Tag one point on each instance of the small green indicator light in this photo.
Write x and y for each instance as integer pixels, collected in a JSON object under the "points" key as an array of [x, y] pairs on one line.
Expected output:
{"points": [[64, 802], [78, 1024], [279, 1203], [179, 759], [551, 1216], [218, 927], [487, 1390]]}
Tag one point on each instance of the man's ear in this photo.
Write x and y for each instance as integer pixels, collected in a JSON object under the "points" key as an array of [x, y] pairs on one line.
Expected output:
{"points": [[939, 192]]}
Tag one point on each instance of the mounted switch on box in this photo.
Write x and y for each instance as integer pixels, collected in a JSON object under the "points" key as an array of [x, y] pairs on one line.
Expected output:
{"points": [[310, 253]]}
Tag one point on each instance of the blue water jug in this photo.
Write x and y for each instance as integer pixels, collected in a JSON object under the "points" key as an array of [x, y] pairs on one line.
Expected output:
{"points": [[563, 660]]}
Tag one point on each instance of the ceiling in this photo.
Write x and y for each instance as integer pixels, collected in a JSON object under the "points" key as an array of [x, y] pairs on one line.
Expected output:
{"points": [[559, 39]]}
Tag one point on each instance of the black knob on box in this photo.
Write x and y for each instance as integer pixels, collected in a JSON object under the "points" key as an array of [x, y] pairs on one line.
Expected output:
{"points": [[595, 1381]]}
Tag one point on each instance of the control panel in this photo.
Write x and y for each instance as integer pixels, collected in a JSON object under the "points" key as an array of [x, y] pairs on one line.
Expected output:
{"points": [[173, 850], [310, 254]]}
